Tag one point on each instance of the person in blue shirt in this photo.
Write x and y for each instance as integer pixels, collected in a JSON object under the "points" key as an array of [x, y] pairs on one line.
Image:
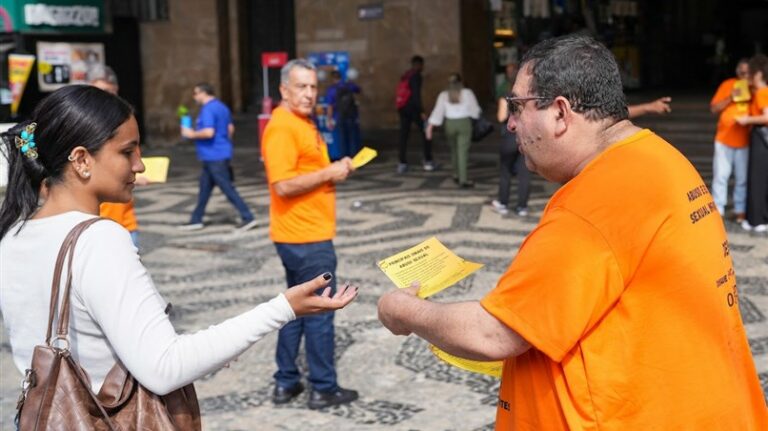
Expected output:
{"points": [[213, 138], [342, 109]]}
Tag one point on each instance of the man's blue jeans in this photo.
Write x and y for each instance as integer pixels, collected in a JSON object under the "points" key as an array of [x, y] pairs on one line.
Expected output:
{"points": [[729, 160], [349, 136], [303, 262], [218, 173]]}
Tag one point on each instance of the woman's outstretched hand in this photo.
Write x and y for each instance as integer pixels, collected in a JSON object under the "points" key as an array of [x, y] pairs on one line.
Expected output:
{"points": [[304, 299]]}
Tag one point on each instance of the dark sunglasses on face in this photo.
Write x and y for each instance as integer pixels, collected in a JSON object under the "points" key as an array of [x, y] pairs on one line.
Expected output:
{"points": [[515, 104]]}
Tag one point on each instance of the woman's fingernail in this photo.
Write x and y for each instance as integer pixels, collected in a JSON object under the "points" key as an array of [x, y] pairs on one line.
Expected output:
{"points": [[327, 276]]}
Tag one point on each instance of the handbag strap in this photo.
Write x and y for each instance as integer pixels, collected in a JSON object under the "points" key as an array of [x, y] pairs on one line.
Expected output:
{"points": [[67, 250]]}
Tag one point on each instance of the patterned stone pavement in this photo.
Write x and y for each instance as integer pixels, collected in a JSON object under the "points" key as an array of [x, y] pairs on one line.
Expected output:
{"points": [[212, 274]]}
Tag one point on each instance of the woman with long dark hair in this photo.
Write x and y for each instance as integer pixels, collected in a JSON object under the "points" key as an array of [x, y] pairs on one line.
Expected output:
{"points": [[757, 169], [81, 146]]}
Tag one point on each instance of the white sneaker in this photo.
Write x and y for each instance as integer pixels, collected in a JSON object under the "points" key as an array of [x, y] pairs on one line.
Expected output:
{"points": [[499, 207], [522, 212], [761, 228], [244, 226], [402, 168], [429, 166], [746, 226], [191, 226]]}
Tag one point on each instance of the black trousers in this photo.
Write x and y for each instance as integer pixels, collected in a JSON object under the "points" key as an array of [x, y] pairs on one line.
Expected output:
{"points": [[757, 180], [407, 118], [513, 163]]}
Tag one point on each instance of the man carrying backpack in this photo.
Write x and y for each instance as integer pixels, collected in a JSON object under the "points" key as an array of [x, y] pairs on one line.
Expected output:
{"points": [[342, 109], [408, 101]]}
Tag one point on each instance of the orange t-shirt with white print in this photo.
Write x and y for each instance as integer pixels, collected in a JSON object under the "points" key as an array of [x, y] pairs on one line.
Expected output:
{"points": [[759, 101], [123, 213], [729, 132], [292, 146], [626, 293]]}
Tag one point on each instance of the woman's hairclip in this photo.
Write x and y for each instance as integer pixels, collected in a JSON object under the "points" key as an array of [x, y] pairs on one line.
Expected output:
{"points": [[25, 142]]}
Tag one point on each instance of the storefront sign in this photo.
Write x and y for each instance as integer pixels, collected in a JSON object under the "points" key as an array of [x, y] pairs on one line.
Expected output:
{"points": [[55, 16], [19, 68], [61, 64]]}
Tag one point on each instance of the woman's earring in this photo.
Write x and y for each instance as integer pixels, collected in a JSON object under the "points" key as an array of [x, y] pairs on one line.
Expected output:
{"points": [[71, 158], [86, 174]]}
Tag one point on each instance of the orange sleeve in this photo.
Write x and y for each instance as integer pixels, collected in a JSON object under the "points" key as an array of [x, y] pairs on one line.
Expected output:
{"points": [[723, 91], [564, 279], [281, 155]]}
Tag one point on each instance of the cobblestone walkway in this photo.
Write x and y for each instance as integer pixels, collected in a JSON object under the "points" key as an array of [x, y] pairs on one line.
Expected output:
{"points": [[213, 274]]}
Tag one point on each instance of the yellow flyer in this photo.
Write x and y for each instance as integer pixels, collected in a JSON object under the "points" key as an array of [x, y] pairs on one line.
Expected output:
{"points": [[492, 369], [436, 267], [155, 169], [19, 68], [431, 264], [363, 157]]}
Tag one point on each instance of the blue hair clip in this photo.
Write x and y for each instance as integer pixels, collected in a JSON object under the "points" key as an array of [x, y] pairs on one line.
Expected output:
{"points": [[25, 142]]}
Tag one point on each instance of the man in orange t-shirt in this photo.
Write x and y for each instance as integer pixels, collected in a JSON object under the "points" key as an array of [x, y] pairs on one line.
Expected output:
{"points": [[302, 225], [620, 311], [731, 142]]}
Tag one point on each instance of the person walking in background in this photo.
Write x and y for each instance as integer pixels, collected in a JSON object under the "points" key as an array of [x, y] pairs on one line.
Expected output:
{"points": [[302, 224], [456, 106], [512, 162], [757, 172], [342, 109], [590, 314], [86, 151], [731, 149], [411, 111], [505, 86], [213, 139], [123, 213]]}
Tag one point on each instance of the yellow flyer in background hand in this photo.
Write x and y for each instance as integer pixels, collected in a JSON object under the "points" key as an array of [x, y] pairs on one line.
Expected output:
{"points": [[155, 169], [436, 267], [431, 264], [363, 157]]}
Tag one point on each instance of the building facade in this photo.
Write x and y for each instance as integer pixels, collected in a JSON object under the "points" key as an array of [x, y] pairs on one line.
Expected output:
{"points": [[161, 48]]}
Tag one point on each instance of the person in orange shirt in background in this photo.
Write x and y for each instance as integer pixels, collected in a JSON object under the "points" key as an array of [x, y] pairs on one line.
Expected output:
{"points": [[620, 310], [123, 213], [757, 183], [731, 142], [302, 224]]}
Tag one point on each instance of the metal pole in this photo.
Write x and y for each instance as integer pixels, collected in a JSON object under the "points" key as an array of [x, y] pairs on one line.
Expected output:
{"points": [[264, 81]]}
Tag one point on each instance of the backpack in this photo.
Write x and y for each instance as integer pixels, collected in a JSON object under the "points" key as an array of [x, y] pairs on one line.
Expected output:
{"points": [[403, 92], [346, 106]]}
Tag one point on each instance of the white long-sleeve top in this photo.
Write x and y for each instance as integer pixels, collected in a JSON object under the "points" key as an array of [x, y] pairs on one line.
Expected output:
{"points": [[116, 311], [466, 108]]}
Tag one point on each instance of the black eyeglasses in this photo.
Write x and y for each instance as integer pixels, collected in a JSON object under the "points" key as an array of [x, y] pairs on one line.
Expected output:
{"points": [[515, 104]]}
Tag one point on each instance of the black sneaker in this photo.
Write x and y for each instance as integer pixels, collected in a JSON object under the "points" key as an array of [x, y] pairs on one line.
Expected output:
{"points": [[246, 225], [320, 400], [282, 395]]}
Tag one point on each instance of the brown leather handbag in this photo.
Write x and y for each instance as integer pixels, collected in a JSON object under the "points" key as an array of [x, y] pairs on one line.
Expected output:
{"points": [[57, 392]]}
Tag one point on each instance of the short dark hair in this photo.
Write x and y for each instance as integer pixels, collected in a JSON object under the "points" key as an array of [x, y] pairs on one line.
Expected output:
{"points": [[205, 88], [417, 60], [335, 74], [73, 116], [580, 69], [759, 63]]}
